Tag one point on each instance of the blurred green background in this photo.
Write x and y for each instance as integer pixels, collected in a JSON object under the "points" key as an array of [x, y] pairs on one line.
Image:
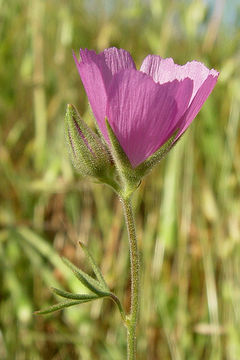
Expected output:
{"points": [[187, 210]]}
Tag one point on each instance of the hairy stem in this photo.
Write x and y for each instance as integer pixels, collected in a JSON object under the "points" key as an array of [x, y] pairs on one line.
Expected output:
{"points": [[135, 279]]}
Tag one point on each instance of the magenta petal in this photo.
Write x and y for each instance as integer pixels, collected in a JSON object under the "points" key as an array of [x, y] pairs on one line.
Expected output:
{"points": [[164, 70], [118, 59], [90, 57], [198, 101], [96, 78], [141, 113], [96, 72], [112, 59], [181, 91]]}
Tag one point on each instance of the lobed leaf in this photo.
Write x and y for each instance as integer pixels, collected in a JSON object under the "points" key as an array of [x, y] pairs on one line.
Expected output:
{"points": [[92, 284], [95, 268], [69, 295], [60, 306]]}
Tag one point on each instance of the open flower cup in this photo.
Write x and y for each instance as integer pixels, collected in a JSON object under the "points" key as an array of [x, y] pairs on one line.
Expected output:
{"points": [[147, 108]]}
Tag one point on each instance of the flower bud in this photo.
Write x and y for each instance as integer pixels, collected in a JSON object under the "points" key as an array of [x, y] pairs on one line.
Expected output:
{"points": [[89, 155]]}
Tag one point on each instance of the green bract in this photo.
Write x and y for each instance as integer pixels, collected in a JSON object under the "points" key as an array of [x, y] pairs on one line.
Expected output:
{"points": [[131, 177]]}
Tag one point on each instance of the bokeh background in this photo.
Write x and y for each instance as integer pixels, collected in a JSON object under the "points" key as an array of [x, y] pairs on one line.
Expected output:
{"points": [[188, 209]]}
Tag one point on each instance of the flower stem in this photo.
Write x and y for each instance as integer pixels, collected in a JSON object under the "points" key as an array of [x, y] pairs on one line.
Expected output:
{"points": [[132, 318]]}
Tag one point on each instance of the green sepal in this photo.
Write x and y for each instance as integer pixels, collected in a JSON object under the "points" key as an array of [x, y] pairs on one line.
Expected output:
{"points": [[94, 266], [145, 167], [129, 176], [60, 306], [68, 295], [90, 283], [132, 176]]}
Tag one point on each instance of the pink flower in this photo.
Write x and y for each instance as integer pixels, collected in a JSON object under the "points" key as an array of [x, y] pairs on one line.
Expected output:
{"points": [[146, 107]]}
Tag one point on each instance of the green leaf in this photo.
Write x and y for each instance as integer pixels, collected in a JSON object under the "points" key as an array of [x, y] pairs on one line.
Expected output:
{"points": [[86, 280], [60, 306], [72, 296], [95, 268], [87, 298]]}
